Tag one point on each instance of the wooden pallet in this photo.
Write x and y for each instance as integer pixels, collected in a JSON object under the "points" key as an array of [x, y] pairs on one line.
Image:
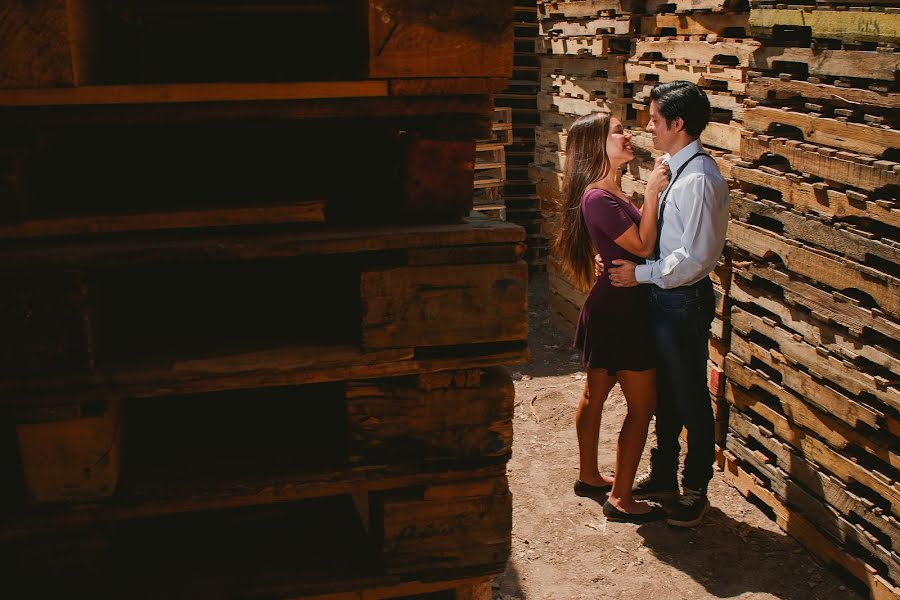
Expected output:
{"points": [[861, 138], [608, 67], [580, 9], [847, 26], [881, 66], [724, 24], [807, 194], [788, 88], [599, 45], [276, 345], [600, 25], [840, 238], [798, 526], [716, 77], [695, 49], [689, 6], [723, 104], [839, 166], [102, 462], [439, 535], [60, 44], [586, 88], [618, 108]]}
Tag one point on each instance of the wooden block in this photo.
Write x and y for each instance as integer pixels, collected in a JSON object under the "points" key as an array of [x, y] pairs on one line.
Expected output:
{"points": [[771, 88], [848, 26], [456, 39], [72, 460], [731, 52], [443, 306], [829, 63], [390, 421], [584, 8], [438, 177], [698, 23], [599, 46]]}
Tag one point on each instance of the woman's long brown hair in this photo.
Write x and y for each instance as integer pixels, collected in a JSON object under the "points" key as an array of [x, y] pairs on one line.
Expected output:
{"points": [[585, 163]]}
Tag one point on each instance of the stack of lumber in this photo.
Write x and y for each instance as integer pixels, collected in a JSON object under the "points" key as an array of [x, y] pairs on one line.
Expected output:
{"points": [[814, 355], [522, 206], [490, 166], [227, 372]]}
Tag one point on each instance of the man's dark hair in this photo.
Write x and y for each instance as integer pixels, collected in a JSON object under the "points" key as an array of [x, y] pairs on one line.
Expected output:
{"points": [[685, 100]]}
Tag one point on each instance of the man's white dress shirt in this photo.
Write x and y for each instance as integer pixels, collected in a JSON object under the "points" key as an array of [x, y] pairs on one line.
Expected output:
{"points": [[694, 223]]}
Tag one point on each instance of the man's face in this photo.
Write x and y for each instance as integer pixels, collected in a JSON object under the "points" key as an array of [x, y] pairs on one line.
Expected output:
{"points": [[663, 133]]}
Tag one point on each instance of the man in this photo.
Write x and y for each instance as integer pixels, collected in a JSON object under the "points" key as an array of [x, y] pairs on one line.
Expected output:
{"points": [[692, 223]]}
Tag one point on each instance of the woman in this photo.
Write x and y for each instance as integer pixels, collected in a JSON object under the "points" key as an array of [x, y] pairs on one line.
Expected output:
{"points": [[614, 332]]}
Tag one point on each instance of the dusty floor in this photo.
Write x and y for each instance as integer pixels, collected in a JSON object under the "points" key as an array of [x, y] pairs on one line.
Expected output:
{"points": [[563, 548]]}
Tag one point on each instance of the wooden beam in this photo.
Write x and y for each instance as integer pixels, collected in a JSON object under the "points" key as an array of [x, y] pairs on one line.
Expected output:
{"points": [[848, 26]]}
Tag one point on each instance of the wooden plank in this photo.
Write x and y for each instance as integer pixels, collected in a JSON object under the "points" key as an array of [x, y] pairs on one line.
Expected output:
{"points": [[772, 88], [34, 45], [804, 319], [859, 138], [654, 6], [703, 75], [848, 26], [841, 274], [192, 93], [586, 88], [796, 351], [598, 25], [819, 484], [453, 526], [600, 45], [438, 177], [443, 306], [302, 212], [73, 460], [834, 432], [581, 107], [612, 66], [457, 39], [584, 8], [806, 195], [846, 168], [796, 525], [447, 86], [845, 241], [711, 51], [702, 23], [829, 63]]}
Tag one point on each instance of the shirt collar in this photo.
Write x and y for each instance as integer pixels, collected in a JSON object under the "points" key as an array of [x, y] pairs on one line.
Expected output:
{"points": [[675, 162]]}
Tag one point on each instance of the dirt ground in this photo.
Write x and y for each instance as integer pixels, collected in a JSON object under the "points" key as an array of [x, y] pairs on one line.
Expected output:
{"points": [[562, 546]]}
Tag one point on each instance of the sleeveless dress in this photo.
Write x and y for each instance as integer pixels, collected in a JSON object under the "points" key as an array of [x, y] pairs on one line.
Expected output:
{"points": [[614, 329]]}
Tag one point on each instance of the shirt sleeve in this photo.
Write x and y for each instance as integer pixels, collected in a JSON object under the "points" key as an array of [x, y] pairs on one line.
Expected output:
{"points": [[603, 211], [700, 245]]}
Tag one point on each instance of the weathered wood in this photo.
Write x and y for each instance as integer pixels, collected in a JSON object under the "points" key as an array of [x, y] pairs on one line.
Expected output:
{"points": [[804, 319], [798, 227], [450, 39], [302, 212], [855, 137], [444, 86], [848, 26], [442, 306], [700, 23], [824, 517], [776, 88], [586, 88], [831, 165], [704, 75], [654, 6], [810, 196], [393, 422], [833, 431], [710, 51], [452, 526], [797, 352], [584, 66], [818, 452], [577, 106], [600, 45], [841, 274], [827, 488], [438, 178], [72, 460], [584, 8], [830, 63], [599, 25]]}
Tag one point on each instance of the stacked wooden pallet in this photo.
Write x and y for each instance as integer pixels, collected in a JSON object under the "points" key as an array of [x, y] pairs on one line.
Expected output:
{"points": [[227, 372], [522, 205], [814, 363], [584, 45], [490, 166]]}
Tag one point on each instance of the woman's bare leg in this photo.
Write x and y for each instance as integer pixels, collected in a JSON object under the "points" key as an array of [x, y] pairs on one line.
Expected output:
{"points": [[639, 388], [587, 424]]}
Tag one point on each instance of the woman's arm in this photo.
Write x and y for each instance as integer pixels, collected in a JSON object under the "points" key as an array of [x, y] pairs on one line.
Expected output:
{"points": [[642, 241]]}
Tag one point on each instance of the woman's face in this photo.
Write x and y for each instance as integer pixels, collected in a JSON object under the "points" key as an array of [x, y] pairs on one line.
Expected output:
{"points": [[618, 144]]}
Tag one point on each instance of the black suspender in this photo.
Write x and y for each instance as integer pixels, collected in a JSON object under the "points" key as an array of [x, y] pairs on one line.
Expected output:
{"points": [[662, 204]]}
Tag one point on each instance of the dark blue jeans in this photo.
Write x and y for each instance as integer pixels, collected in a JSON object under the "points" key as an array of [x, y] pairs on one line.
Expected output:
{"points": [[682, 319]]}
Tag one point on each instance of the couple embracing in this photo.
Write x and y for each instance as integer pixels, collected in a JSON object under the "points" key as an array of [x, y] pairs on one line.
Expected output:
{"points": [[645, 323]]}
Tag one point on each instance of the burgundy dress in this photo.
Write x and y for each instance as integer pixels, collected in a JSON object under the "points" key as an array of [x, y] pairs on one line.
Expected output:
{"points": [[614, 330]]}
